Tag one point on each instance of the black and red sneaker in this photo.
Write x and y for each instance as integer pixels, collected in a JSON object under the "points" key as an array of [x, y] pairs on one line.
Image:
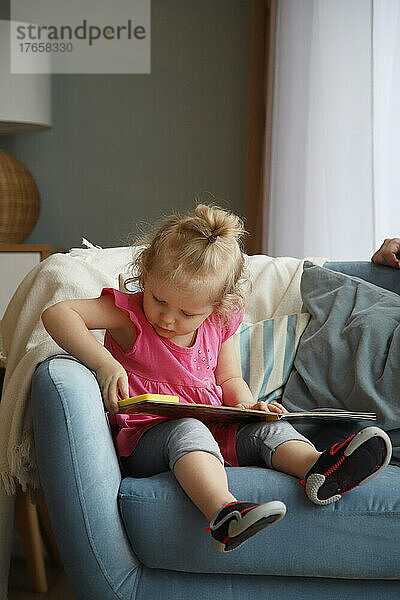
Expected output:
{"points": [[347, 465], [238, 521]]}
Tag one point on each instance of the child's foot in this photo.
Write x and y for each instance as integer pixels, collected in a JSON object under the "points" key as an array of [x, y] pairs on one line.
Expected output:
{"points": [[350, 464], [238, 521]]}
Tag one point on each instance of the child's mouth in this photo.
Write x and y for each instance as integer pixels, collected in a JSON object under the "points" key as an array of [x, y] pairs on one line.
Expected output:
{"points": [[163, 330]]}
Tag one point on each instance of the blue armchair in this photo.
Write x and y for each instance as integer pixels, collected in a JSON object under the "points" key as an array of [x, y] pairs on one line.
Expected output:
{"points": [[143, 539]]}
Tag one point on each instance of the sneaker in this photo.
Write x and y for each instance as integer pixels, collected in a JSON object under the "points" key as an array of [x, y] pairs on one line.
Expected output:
{"points": [[238, 521], [350, 464]]}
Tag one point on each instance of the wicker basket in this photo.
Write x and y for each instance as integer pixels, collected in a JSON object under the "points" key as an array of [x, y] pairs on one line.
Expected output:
{"points": [[19, 200]]}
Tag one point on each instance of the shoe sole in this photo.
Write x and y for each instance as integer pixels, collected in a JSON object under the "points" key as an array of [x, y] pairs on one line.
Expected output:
{"points": [[365, 435], [253, 522], [314, 482]]}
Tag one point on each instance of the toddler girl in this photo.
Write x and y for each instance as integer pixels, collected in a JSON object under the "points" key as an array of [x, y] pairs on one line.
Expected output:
{"points": [[175, 337]]}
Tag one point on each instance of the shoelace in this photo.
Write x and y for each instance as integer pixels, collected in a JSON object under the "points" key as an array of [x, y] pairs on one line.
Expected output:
{"points": [[337, 446], [330, 470], [335, 466]]}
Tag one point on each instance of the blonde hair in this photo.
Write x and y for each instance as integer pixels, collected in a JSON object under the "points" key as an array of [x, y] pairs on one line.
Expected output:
{"points": [[202, 248]]}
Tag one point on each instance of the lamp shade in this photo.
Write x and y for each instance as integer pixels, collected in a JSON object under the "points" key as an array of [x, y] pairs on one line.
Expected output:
{"points": [[25, 100], [24, 106]]}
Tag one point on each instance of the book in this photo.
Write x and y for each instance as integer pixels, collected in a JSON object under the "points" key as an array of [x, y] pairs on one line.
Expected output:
{"points": [[169, 406], [148, 397]]}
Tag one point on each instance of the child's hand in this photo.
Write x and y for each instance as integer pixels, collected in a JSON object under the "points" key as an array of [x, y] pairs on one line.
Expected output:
{"points": [[271, 407], [112, 378]]}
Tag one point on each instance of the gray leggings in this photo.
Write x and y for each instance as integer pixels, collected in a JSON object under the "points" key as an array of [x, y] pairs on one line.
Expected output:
{"points": [[162, 445]]}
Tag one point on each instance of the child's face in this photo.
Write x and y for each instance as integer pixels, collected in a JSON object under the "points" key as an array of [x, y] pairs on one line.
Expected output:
{"points": [[174, 312]]}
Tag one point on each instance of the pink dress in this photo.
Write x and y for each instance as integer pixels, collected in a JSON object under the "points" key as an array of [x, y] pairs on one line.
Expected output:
{"points": [[156, 365]]}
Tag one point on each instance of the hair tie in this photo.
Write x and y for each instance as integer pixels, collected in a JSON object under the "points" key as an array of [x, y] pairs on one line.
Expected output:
{"points": [[212, 238]]}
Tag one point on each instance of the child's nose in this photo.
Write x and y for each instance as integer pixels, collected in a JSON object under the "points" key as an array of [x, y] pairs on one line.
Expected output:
{"points": [[167, 318]]}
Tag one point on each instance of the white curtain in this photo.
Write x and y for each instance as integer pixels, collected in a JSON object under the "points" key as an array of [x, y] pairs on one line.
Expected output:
{"points": [[386, 123], [335, 180]]}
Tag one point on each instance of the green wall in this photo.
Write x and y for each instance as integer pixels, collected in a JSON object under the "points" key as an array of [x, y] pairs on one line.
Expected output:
{"points": [[124, 149]]}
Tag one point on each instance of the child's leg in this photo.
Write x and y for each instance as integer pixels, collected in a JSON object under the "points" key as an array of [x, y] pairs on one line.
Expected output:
{"points": [[328, 475], [187, 447], [294, 457], [275, 445], [203, 478]]}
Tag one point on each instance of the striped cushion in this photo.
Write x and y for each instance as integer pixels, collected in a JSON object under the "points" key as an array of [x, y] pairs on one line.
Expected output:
{"points": [[266, 352]]}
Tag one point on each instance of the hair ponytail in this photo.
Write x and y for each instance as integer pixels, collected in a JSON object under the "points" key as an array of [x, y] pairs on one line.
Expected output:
{"points": [[203, 248]]}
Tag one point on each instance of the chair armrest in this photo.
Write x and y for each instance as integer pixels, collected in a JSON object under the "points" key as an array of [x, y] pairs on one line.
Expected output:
{"points": [[385, 277], [80, 476]]}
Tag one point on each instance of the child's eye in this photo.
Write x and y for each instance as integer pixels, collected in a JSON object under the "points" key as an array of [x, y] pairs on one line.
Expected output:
{"points": [[187, 315], [158, 301]]}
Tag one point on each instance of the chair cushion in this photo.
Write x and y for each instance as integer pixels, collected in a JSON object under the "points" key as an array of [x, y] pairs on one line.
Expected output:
{"points": [[349, 355], [356, 537], [266, 352]]}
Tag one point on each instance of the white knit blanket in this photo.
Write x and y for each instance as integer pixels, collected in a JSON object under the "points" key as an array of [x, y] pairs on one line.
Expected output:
{"points": [[83, 274]]}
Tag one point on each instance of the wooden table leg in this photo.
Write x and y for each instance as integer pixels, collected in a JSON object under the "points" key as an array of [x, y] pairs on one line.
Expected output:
{"points": [[47, 533], [26, 515]]}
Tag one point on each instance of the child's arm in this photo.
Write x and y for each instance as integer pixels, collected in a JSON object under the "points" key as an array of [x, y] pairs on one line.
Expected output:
{"points": [[235, 390], [69, 323]]}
